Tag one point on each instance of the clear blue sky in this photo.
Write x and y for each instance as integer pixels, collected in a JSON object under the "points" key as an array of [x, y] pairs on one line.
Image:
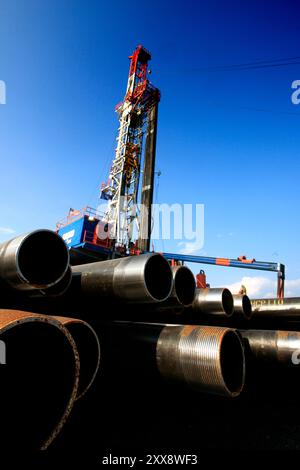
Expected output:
{"points": [[227, 139]]}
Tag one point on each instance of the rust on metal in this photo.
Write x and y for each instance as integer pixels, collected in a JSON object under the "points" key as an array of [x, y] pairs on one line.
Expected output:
{"points": [[66, 322], [209, 359]]}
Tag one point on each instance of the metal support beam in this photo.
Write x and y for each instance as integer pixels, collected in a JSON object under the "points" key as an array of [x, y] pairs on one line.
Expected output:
{"points": [[234, 263], [148, 180]]}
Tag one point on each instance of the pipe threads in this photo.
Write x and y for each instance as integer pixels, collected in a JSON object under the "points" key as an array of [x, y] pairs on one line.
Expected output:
{"points": [[206, 358]]}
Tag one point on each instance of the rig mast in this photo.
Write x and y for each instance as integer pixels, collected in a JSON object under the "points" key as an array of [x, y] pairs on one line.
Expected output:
{"points": [[134, 112]]}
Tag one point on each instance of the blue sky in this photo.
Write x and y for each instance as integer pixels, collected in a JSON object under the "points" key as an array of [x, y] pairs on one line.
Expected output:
{"points": [[227, 139]]}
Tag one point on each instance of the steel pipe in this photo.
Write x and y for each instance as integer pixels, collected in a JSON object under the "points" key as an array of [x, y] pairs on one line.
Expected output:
{"points": [[182, 294], [36, 260], [242, 306], [147, 188], [216, 301], [184, 286], [279, 347], [57, 290], [287, 308], [39, 382], [207, 359], [88, 347], [135, 279]]}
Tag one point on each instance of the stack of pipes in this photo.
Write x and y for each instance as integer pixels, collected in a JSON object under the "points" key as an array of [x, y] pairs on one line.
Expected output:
{"points": [[193, 337], [47, 362]]}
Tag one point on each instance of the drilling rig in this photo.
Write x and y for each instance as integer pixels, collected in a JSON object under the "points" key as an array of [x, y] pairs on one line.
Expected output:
{"points": [[137, 117], [92, 235]]}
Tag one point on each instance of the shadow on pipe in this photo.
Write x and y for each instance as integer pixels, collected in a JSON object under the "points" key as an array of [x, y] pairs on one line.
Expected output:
{"points": [[208, 359]]}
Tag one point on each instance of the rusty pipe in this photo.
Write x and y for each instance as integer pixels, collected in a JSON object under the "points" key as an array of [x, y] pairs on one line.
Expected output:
{"points": [[135, 279], [39, 382], [209, 359], [242, 306], [88, 347], [215, 301], [36, 260], [273, 346]]}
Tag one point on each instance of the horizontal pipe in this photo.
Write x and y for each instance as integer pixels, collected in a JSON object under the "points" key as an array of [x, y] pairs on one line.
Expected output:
{"points": [[36, 260], [181, 296], [274, 346], [242, 306], [215, 301], [39, 382], [135, 279], [184, 286], [232, 263], [207, 359], [288, 308], [88, 347]]}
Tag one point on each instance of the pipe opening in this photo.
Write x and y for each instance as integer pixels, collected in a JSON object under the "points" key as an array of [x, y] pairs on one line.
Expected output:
{"points": [[43, 258], [247, 308], [232, 362], [89, 354], [36, 383], [185, 285], [227, 302], [158, 277]]}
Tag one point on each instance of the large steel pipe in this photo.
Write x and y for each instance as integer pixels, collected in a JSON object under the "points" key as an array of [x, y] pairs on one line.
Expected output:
{"points": [[181, 296], [135, 279], [278, 347], [242, 307], [36, 260], [184, 287], [39, 381], [216, 301], [288, 308], [88, 347], [207, 359], [210, 359]]}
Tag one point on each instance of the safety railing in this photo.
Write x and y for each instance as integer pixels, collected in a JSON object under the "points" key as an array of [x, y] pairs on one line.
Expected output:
{"points": [[75, 214]]}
